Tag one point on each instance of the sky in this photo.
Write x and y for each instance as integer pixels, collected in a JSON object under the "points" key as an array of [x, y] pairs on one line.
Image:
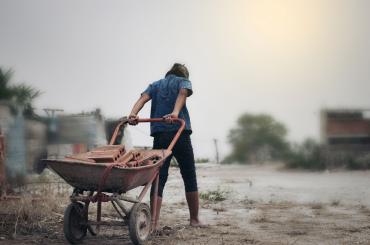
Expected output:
{"points": [[287, 58]]}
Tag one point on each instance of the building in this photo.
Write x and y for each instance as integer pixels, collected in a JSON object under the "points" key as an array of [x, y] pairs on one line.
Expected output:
{"points": [[345, 134]]}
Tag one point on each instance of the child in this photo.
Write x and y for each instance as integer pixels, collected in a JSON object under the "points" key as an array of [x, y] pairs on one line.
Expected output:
{"points": [[168, 97]]}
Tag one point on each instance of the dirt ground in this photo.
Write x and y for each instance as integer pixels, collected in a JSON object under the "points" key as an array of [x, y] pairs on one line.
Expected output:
{"points": [[241, 205]]}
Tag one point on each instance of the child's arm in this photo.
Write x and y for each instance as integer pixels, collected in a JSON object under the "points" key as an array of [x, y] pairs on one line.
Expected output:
{"points": [[138, 106], [180, 102]]}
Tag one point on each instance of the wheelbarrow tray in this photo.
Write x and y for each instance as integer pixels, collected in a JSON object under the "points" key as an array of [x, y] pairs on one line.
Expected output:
{"points": [[86, 176]]}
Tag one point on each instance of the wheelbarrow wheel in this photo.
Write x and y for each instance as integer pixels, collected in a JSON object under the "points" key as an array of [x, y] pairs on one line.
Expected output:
{"points": [[75, 227], [139, 224]]}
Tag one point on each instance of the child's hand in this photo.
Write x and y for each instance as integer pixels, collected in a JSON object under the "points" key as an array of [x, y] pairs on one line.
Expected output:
{"points": [[133, 119], [170, 117]]}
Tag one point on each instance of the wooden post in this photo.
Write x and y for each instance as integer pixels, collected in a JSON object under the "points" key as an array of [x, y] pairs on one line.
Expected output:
{"points": [[216, 148]]}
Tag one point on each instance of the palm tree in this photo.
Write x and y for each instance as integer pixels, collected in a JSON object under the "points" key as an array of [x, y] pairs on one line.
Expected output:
{"points": [[19, 96], [5, 91]]}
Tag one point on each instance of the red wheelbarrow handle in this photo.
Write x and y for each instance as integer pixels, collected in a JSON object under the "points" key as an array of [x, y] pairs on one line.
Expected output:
{"points": [[172, 120]]}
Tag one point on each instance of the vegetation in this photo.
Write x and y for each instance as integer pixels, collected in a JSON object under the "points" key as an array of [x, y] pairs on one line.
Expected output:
{"points": [[306, 155], [214, 196], [362, 162], [20, 96], [257, 138], [260, 137], [309, 155], [174, 163], [202, 160]]}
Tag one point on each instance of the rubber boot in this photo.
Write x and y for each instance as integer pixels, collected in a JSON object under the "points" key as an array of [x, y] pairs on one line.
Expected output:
{"points": [[158, 210], [193, 203]]}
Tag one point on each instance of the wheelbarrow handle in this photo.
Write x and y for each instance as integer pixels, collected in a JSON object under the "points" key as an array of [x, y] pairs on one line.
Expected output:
{"points": [[164, 120]]}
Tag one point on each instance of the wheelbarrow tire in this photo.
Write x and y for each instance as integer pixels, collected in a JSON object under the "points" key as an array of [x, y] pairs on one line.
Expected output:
{"points": [[74, 231], [139, 223]]}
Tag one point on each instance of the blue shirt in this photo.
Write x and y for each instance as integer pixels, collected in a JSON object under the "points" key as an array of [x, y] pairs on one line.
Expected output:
{"points": [[164, 94]]}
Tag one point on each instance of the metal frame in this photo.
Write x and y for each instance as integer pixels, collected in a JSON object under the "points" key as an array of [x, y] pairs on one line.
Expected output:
{"points": [[116, 198]]}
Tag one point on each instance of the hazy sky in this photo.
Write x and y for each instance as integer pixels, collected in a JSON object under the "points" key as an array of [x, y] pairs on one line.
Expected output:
{"points": [[288, 58]]}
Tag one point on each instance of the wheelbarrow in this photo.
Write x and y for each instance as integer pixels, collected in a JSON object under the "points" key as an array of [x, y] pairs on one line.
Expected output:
{"points": [[106, 174]]}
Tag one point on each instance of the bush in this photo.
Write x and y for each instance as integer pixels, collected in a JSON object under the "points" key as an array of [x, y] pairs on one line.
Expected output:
{"points": [[202, 160], [214, 196], [362, 162], [306, 155], [174, 163]]}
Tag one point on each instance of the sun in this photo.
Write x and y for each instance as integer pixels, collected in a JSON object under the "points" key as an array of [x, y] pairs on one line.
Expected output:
{"points": [[286, 23]]}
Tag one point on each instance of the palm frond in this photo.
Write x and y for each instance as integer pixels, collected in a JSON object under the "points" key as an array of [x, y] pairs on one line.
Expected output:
{"points": [[5, 77], [19, 95], [24, 94]]}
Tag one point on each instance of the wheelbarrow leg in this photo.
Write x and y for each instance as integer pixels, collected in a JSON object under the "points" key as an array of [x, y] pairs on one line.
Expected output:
{"points": [[98, 215]]}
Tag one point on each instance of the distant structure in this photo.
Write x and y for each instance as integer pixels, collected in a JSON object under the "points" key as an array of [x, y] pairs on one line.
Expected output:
{"points": [[75, 133], [345, 133]]}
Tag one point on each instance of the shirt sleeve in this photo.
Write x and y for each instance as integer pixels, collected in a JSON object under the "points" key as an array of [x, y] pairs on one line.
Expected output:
{"points": [[148, 90], [186, 84]]}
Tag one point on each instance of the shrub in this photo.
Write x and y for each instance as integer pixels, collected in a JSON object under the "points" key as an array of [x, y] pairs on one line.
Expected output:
{"points": [[362, 162], [214, 196], [306, 155], [174, 163], [202, 160]]}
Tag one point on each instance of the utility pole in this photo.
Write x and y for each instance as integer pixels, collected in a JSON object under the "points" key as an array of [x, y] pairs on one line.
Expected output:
{"points": [[52, 124], [51, 112], [216, 149]]}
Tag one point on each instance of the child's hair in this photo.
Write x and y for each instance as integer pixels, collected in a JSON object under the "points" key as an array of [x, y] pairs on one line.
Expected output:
{"points": [[179, 70]]}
